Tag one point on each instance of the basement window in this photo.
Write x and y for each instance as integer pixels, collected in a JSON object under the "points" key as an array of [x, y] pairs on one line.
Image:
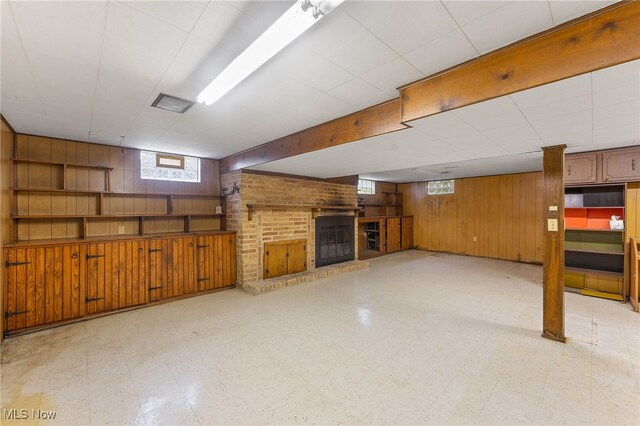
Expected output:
{"points": [[160, 166], [438, 187], [366, 186]]}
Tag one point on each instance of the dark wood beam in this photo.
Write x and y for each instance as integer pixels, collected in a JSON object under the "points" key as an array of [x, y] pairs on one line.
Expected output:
{"points": [[374, 121], [553, 243], [607, 37]]}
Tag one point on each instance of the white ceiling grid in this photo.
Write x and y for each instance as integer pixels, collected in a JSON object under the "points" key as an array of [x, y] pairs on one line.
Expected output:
{"points": [[89, 70]]}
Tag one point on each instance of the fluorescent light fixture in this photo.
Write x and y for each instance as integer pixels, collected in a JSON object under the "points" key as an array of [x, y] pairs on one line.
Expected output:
{"points": [[299, 18]]}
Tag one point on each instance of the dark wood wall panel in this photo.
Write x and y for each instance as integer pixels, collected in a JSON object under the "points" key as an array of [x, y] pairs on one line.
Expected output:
{"points": [[502, 212]]}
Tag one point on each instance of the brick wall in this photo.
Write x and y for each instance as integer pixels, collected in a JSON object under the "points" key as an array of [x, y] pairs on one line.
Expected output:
{"points": [[278, 224]]}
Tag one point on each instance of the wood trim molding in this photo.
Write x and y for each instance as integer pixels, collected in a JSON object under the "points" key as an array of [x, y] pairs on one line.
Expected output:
{"points": [[376, 120], [553, 243], [607, 37], [4, 120]]}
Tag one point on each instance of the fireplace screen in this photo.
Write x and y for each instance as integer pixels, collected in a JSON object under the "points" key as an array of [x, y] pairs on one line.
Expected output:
{"points": [[334, 239]]}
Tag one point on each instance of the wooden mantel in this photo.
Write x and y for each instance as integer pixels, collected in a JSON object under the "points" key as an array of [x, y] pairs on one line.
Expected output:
{"points": [[314, 208]]}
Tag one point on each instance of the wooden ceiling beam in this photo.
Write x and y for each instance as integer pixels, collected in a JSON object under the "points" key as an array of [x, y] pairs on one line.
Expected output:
{"points": [[373, 121], [607, 37]]}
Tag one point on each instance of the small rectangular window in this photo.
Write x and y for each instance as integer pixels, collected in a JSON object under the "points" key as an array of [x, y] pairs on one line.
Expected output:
{"points": [[159, 166], [438, 187], [366, 186]]}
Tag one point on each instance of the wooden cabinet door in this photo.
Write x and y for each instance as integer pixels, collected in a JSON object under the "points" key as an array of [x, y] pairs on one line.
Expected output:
{"points": [[275, 260], [580, 168], [128, 274], [382, 227], [158, 268], [97, 288], [181, 274], [393, 234], [407, 233], [73, 281], [224, 260], [20, 289], [297, 257], [621, 165], [205, 271], [634, 274]]}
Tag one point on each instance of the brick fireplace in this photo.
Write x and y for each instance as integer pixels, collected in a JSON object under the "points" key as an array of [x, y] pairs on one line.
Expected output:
{"points": [[293, 219]]}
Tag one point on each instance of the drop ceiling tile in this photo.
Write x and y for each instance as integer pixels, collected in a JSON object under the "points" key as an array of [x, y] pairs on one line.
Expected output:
{"points": [[331, 32], [512, 134], [182, 14], [621, 114], [466, 11], [553, 92], [629, 134], [359, 94], [563, 10], [362, 54], [393, 74], [616, 76], [558, 108], [506, 25], [442, 126], [46, 36], [442, 53], [370, 13], [90, 15], [139, 44], [616, 95], [413, 25], [217, 22]]}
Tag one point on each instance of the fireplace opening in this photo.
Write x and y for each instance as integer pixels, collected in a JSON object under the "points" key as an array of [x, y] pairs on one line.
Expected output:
{"points": [[334, 239]]}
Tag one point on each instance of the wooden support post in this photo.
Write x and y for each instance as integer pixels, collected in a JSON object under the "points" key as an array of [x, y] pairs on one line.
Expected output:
{"points": [[553, 243]]}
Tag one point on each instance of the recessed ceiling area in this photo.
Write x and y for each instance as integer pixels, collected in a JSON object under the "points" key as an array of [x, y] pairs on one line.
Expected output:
{"points": [[91, 70], [599, 110]]}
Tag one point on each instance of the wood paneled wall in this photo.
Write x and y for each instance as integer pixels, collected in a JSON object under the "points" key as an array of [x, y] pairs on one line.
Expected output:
{"points": [[504, 214], [125, 177], [378, 197], [6, 146]]}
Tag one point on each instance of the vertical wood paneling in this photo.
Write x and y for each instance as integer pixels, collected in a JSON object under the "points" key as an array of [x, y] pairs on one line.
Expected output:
{"points": [[503, 212]]}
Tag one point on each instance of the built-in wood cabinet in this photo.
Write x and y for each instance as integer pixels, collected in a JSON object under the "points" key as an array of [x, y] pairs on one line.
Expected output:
{"points": [[581, 168], [621, 165], [284, 257], [616, 165], [386, 234], [53, 282]]}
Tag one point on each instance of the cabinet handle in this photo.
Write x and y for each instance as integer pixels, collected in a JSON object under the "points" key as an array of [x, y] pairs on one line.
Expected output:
{"points": [[191, 244], [74, 255], [633, 164], [569, 170]]}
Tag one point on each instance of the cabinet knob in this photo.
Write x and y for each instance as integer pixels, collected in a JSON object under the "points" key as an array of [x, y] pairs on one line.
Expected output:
{"points": [[191, 244], [74, 255], [140, 249]]}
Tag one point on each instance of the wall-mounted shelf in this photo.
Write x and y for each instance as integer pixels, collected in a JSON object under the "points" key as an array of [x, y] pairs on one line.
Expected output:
{"points": [[314, 208]]}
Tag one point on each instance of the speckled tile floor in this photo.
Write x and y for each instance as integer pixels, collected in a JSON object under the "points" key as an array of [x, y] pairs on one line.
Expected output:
{"points": [[415, 339]]}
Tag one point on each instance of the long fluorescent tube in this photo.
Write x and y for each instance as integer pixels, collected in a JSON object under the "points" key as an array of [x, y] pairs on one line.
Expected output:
{"points": [[287, 28]]}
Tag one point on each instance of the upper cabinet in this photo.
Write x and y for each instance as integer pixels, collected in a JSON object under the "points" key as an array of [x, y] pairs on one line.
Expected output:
{"points": [[616, 165], [622, 165], [580, 168]]}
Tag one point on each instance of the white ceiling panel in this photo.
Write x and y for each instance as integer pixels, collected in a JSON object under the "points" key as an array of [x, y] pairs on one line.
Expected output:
{"points": [[506, 24], [393, 74], [442, 53], [565, 10], [413, 25], [182, 14], [362, 54], [466, 11], [359, 94], [109, 60]]}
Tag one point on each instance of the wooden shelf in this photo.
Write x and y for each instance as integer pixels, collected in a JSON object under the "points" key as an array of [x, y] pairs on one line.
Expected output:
{"points": [[56, 163], [593, 271], [108, 216], [98, 192], [589, 208], [616, 253], [313, 207], [379, 205], [594, 230]]}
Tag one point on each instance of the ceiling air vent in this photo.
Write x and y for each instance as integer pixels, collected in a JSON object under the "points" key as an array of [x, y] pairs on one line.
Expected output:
{"points": [[171, 103]]}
